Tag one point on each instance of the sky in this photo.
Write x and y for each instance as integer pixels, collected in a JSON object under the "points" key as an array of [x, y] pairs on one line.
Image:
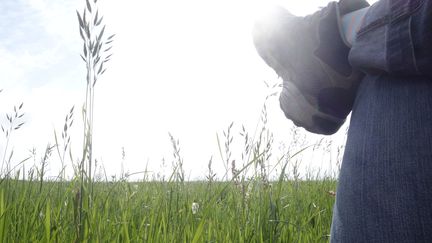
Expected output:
{"points": [[188, 68]]}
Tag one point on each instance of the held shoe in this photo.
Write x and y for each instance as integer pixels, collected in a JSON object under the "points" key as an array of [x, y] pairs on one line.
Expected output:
{"points": [[311, 57]]}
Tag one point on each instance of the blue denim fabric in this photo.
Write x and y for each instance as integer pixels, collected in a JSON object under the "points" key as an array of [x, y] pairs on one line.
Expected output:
{"points": [[395, 39], [384, 191]]}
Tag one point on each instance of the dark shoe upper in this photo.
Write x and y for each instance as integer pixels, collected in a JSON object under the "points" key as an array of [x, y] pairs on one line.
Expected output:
{"points": [[309, 54]]}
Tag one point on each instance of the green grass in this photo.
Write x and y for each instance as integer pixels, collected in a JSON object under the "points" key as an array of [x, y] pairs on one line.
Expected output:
{"points": [[161, 212]]}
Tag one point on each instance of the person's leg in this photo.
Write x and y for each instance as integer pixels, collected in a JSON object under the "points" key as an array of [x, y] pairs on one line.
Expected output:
{"points": [[384, 191]]}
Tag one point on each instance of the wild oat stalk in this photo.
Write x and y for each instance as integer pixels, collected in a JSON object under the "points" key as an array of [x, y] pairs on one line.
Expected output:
{"points": [[14, 123], [178, 172], [66, 139], [210, 177], [95, 55], [228, 154]]}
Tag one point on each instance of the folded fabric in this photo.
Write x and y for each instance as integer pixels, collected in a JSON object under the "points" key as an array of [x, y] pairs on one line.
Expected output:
{"points": [[395, 39], [311, 57]]}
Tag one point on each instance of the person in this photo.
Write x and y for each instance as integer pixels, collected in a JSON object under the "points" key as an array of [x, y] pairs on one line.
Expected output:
{"points": [[381, 73]]}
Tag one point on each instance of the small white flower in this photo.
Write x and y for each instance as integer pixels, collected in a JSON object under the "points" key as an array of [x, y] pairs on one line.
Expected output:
{"points": [[247, 195], [133, 194], [195, 207], [135, 186], [249, 191]]}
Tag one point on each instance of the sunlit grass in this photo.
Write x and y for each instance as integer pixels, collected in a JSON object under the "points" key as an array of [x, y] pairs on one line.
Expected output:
{"points": [[164, 212]]}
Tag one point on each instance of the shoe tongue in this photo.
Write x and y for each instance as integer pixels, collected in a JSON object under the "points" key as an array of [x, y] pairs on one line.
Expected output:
{"points": [[351, 23], [346, 6]]}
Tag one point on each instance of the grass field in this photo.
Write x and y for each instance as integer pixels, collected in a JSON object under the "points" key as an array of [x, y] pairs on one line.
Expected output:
{"points": [[166, 211], [255, 201]]}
